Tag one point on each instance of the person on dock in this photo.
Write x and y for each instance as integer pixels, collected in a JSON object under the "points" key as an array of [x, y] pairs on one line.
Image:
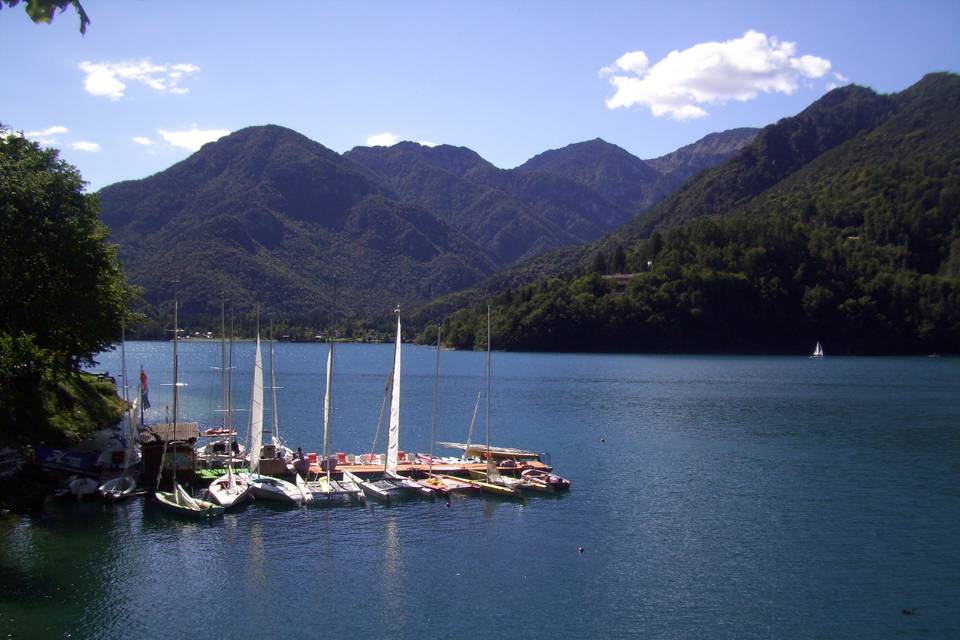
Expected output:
{"points": [[301, 465]]}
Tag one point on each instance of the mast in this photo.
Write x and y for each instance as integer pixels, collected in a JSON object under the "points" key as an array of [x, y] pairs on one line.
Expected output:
{"points": [[176, 386], [393, 437], [436, 396], [223, 363], [230, 373], [224, 387], [126, 394], [493, 474], [256, 405], [488, 382], [275, 429], [328, 392], [327, 399]]}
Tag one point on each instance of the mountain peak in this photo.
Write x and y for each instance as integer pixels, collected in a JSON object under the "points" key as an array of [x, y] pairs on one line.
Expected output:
{"points": [[385, 160]]}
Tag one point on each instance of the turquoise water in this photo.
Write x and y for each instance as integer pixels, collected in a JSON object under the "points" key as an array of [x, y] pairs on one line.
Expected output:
{"points": [[731, 497]]}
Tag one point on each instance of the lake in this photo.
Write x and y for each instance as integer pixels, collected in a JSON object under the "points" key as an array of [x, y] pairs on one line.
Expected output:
{"points": [[715, 497]]}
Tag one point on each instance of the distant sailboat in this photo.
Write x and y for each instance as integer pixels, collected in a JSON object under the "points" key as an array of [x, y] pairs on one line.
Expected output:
{"points": [[817, 352]]}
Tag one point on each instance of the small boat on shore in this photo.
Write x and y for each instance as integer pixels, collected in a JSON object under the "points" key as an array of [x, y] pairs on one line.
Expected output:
{"points": [[551, 480], [118, 488], [82, 488]]}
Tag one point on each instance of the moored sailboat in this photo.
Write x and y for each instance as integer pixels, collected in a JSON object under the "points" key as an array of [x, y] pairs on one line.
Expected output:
{"points": [[266, 487], [125, 484], [817, 352], [392, 486], [229, 490], [442, 484], [178, 501], [492, 481], [324, 489]]}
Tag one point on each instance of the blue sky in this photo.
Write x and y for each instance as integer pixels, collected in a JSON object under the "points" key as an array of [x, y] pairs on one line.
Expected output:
{"points": [[152, 79]]}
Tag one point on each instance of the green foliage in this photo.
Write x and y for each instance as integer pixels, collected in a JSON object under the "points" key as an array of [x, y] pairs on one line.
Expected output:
{"points": [[61, 291], [44, 10], [856, 245]]}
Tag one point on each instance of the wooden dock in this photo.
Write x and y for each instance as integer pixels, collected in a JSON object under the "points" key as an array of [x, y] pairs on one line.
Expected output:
{"points": [[447, 468]]}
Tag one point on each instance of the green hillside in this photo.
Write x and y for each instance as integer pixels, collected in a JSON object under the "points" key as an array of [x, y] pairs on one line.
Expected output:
{"points": [[842, 225]]}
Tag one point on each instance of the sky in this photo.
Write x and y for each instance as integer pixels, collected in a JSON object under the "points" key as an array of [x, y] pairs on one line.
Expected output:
{"points": [[152, 80]]}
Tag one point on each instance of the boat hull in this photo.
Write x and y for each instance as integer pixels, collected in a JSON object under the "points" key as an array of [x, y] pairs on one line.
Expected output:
{"points": [[221, 493], [202, 510], [118, 488], [274, 489]]}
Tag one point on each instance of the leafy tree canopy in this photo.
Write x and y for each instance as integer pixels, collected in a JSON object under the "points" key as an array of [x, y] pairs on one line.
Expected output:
{"points": [[61, 290], [44, 10]]}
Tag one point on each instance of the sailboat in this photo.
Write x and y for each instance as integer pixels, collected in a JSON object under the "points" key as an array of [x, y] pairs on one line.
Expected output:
{"points": [[443, 484], [229, 490], [125, 484], [276, 448], [267, 487], [324, 488], [179, 501], [492, 481], [817, 352], [393, 486]]}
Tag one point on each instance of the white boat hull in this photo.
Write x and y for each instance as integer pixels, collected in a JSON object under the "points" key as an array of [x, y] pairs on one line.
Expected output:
{"points": [[275, 489], [118, 488], [226, 496]]}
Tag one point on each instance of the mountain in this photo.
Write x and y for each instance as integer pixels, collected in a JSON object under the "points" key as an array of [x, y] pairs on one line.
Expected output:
{"points": [[559, 198], [512, 216], [711, 150], [267, 214], [773, 154], [618, 176], [841, 224]]}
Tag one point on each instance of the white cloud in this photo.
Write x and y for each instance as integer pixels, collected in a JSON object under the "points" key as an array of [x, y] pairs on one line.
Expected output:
{"points": [[86, 146], [144, 140], [382, 140], [426, 143], [46, 133], [193, 138], [839, 76], [107, 78], [632, 61], [710, 73]]}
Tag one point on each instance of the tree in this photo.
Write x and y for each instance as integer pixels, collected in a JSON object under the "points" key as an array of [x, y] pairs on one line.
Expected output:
{"points": [[61, 289], [43, 10]]}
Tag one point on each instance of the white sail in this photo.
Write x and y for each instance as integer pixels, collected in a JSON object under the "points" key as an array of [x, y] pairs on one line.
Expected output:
{"points": [[326, 409], [256, 411], [393, 435]]}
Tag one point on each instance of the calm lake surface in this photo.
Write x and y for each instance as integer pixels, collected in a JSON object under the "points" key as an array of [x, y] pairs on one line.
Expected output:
{"points": [[733, 497]]}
